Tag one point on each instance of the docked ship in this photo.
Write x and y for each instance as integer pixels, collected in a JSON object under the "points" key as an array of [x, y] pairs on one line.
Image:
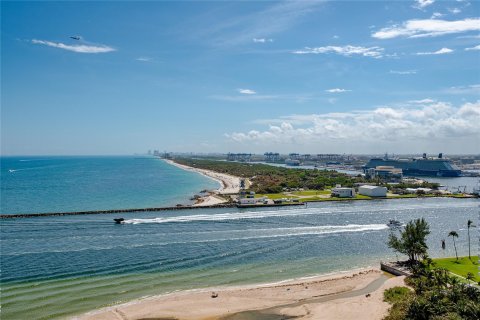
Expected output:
{"points": [[432, 167]]}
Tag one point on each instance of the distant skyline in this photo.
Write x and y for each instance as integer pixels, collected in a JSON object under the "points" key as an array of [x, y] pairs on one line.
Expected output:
{"points": [[355, 77]]}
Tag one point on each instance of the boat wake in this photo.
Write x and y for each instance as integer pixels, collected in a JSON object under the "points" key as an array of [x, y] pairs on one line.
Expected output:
{"points": [[256, 215], [300, 231], [222, 216]]}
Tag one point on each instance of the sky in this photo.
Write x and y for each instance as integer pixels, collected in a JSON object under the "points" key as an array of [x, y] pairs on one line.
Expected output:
{"points": [[361, 77]]}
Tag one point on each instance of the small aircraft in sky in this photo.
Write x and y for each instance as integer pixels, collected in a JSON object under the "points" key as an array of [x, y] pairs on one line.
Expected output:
{"points": [[75, 37]]}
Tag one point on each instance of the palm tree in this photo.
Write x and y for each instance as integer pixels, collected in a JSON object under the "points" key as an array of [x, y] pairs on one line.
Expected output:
{"points": [[454, 235], [469, 224], [470, 277]]}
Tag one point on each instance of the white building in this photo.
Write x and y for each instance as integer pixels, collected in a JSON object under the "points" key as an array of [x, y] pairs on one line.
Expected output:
{"points": [[248, 201], [343, 192], [244, 201], [372, 191]]}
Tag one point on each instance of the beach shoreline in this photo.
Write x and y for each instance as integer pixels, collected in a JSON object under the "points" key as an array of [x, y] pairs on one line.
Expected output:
{"points": [[228, 184], [318, 297]]}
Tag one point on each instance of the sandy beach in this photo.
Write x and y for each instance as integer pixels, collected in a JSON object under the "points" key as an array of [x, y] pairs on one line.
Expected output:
{"points": [[228, 184], [351, 295]]}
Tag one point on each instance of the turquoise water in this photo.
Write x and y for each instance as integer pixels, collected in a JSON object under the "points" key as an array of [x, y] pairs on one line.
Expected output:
{"points": [[55, 267], [60, 184]]}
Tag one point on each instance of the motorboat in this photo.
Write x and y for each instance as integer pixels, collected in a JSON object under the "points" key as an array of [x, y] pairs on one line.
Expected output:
{"points": [[392, 223], [119, 220]]}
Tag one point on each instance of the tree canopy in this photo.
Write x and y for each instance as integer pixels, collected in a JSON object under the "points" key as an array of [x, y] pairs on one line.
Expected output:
{"points": [[412, 240]]}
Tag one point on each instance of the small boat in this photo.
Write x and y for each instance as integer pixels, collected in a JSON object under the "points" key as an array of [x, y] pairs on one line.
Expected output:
{"points": [[119, 220], [394, 223]]}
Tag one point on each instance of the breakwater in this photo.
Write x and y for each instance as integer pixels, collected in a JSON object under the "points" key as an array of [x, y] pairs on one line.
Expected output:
{"points": [[73, 213], [223, 205]]}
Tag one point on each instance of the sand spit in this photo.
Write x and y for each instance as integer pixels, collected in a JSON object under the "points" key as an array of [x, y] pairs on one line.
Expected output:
{"points": [[228, 184]]}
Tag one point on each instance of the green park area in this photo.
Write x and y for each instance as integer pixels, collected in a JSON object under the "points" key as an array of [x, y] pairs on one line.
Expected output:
{"points": [[460, 267], [309, 196]]}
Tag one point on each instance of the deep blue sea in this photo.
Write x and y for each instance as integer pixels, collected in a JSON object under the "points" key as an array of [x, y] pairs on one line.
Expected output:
{"points": [[57, 267], [61, 184]]}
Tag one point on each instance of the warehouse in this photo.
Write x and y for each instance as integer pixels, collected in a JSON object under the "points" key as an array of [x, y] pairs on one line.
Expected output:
{"points": [[372, 191]]}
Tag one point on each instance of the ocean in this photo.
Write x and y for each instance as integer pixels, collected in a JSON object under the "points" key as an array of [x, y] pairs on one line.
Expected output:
{"points": [[58, 267], [64, 184]]}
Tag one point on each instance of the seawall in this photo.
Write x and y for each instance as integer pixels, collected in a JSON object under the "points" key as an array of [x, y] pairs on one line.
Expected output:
{"points": [[73, 213]]}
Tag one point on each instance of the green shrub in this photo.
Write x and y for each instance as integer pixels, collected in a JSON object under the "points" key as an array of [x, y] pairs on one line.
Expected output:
{"points": [[396, 294]]}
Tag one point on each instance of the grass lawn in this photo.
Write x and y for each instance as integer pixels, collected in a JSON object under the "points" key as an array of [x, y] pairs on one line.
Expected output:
{"points": [[361, 196], [462, 267], [274, 196], [311, 192]]}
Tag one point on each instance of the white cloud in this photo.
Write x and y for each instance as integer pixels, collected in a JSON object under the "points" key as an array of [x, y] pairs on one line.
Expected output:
{"points": [[348, 50], [436, 15], [80, 48], [144, 59], [441, 51], [428, 28], [403, 72], [337, 90], [476, 36], [423, 101], [470, 89], [425, 121], [420, 4], [262, 40], [473, 48], [244, 97], [241, 29], [455, 10], [246, 91]]}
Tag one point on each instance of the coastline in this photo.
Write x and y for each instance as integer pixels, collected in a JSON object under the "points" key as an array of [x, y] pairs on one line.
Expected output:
{"points": [[341, 295], [228, 184]]}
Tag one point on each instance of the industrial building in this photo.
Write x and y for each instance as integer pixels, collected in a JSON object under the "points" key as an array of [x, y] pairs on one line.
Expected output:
{"points": [[372, 191], [343, 192], [272, 157], [387, 173], [241, 157]]}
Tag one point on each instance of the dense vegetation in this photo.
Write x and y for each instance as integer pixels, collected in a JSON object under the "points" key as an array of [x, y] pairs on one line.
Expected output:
{"points": [[437, 294], [424, 184], [270, 179]]}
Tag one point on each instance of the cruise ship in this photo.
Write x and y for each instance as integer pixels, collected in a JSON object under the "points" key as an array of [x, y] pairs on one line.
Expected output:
{"points": [[432, 167]]}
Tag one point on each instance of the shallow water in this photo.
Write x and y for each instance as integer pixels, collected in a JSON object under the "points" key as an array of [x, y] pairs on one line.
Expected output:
{"points": [[58, 266]]}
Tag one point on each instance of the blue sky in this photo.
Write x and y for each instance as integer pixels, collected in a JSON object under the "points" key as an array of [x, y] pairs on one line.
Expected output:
{"points": [[295, 76]]}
